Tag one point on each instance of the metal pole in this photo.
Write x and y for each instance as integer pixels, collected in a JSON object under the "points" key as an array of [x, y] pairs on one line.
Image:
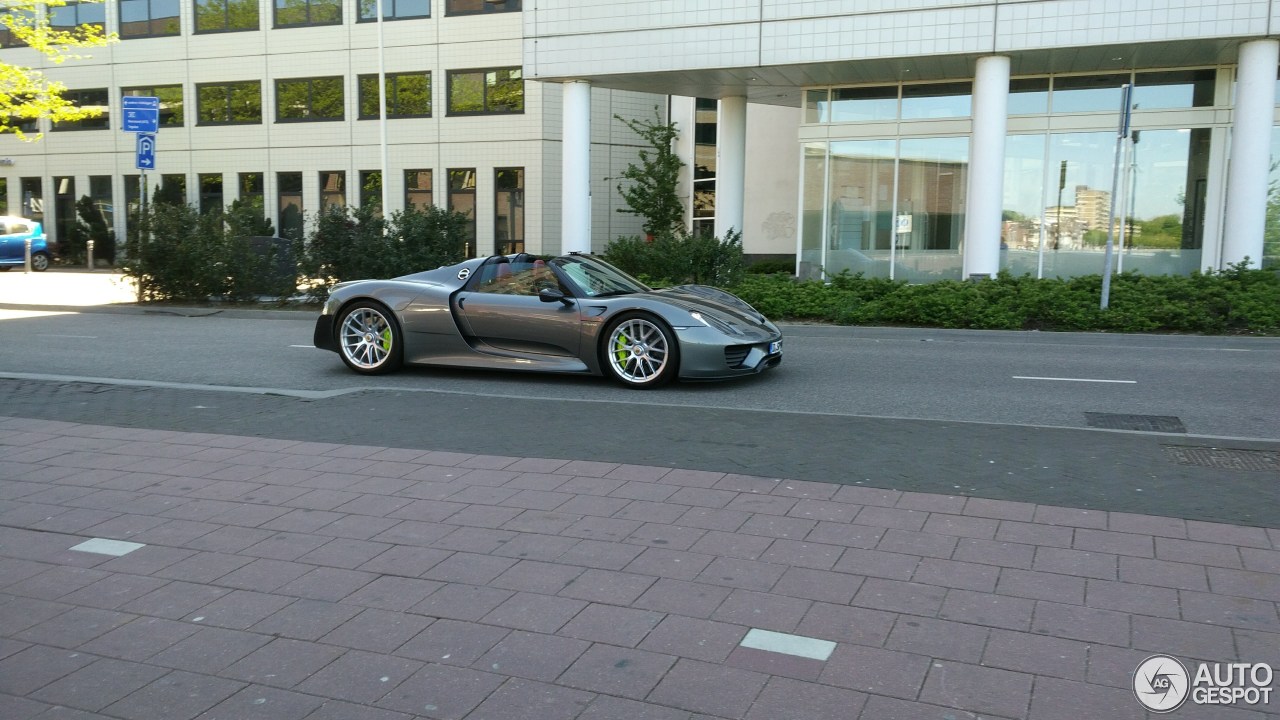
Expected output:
{"points": [[90, 261], [1115, 180], [382, 115], [26, 257]]}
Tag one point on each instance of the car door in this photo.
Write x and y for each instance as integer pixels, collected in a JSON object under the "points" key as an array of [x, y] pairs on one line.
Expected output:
{"points": [[10, 246], [501, 309]]}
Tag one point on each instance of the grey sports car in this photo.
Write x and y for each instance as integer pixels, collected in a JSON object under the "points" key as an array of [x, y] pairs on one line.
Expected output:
{"points": [[569, 314]]}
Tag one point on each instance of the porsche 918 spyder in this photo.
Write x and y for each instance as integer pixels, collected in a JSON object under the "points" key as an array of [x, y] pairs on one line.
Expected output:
{"points": [[569, 314]]}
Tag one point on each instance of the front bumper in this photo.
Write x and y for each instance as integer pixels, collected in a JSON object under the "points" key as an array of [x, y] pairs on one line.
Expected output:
{"points": [[707, 354], [324, 336]]}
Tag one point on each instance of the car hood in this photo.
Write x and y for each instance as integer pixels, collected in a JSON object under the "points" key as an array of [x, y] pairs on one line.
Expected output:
{"points": [[715, 303]]}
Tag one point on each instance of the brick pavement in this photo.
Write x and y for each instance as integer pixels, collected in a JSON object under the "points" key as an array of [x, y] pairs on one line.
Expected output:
{"points": [[289, 580]]}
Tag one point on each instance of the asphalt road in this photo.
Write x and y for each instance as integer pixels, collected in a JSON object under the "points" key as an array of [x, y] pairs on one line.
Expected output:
{"points": [[980, 413]]}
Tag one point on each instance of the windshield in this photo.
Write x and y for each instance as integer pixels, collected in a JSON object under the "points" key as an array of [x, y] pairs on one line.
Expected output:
{"points": [[594, 278]]}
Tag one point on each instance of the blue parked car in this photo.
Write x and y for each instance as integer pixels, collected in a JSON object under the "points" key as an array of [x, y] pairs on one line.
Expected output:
{"points": [[14, 233]]}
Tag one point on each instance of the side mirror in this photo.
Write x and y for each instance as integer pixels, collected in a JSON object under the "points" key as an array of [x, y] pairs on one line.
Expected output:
{"points": [[548, 295]]}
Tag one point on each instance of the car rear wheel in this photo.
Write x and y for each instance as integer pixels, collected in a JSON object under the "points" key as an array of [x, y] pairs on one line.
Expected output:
{"points": [[40, 261], [369, 338], [640, 351]]}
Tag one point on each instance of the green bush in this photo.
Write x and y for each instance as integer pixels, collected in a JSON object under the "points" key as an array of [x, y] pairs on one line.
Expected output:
{"points": [[355, 244], [680, 257], [1237, 300], [772, 267]]}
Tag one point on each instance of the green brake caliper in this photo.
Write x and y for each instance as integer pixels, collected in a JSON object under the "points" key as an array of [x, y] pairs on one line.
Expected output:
{"points": [[386, 340], [620, 349]]}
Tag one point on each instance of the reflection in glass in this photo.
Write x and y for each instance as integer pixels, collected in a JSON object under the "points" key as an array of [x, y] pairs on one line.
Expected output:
{"points": [[1029, 96], [863, 104], [932, 178], [1163, 201], [815, 180], [937, 100], [1021, 231], [860, 207], [1181, 89], [815, 105], [289, 201], [1088, 93], [1271, 235]]}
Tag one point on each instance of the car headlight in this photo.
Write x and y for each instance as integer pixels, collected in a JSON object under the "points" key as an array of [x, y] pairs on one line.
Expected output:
{"points": [[714, 322]]}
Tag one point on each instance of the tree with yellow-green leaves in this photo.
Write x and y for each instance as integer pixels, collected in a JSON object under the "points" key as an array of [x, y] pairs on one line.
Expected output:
{"points": [[26, 94]]}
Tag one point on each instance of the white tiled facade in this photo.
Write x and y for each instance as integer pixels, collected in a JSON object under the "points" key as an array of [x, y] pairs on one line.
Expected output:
{"points": [[438, 44]]}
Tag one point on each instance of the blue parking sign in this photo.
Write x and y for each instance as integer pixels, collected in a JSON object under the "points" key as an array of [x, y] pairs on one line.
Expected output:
{"points": [[141, 114], [146, 158]]}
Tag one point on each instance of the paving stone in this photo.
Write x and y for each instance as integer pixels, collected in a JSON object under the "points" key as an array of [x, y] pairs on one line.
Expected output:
{"points": [[978, 689], [345, 553], [961, 526], [594, 505], [327, 583], [75, 627], [1131, 598], [441, 691], [644, 490], [900, 596], [713, 519], [1228, 534], [607, 586], [615, 708], [520, 699], [113, 591], [461, 602], [1267, 561], [861, 495], [26, 671], [1180, 638], [762, 610], [1035, 534], [676, 564], [538, 521], [779, 526], [1076, 562], [239, 609], [744, 574], [376, 630], [876, 671], [1198, 553], [257, 702], [683, 598], [16, 708], [176, 696], [358, 527], [376, 505], [531, 655], [431, 510], [702, 497], [1241, 583], [1255, 646], [734, 545], [452, 642], [692, 478], [1081, 623], [990, 552], [539, 577], [96, 686], [306, 619], [883, 708], [765, 504], [1114, 666], [391, 593], [1041, 586], [614, 625], [606, 529], [1001, 611], [282, 662], [784, 697], [535, 613], [405, 560], [338, 710], [950, 573], [264, 575], [938, 638], [841, 623], [820, 585], [204, 567], [55, 582], [877, 563], [706, 640], [822, 511], [1036, 654], [617, 671], [533, 546], [707, 688], [139, 639], [1062, 699], [658, 534], [359, 676], [803, 554], [210, 650], [412, 532]]}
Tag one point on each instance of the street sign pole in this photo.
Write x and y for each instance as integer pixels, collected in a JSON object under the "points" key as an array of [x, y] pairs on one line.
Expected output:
{"points": [[1125, 115]]}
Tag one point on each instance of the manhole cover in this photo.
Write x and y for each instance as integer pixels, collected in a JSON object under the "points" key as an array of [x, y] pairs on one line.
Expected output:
{"points": [[1225, 458], [1150, 423]]}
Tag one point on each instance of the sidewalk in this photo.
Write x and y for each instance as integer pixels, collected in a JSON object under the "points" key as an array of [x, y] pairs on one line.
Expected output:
{"points": [[65, 287], [288, 580]]}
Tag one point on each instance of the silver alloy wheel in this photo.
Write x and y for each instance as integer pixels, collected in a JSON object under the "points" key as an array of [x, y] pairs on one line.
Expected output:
{"points": [[366, 338], [39, 262], [638, 351]]}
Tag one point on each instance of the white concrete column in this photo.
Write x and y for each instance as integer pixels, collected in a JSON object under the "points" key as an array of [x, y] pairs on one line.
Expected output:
{"points": [[575, 196], [984, 198], [1250, 152], [731, 164]]}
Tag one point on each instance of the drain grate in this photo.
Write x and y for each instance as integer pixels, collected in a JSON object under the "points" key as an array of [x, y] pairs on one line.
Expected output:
{"points": [[1150, 423], [1225, 458]]}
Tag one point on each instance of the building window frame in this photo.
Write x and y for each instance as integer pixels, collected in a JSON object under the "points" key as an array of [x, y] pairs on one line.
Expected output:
{"points": [[309, 110], [311, 7], [413, 187], [480, 7], [227, 107], [515, 73], [225, 6], [369, 83], [75, 9], [77, 97], [169, 25], [367, 11], [176, 110]]}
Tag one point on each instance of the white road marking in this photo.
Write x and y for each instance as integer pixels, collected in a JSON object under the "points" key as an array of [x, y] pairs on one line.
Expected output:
{"points": [[797, 645], [1029, 377], [311, 347], [81, 337], [103, 546]]}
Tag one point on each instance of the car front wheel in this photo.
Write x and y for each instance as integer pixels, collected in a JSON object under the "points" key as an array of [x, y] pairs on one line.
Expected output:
{"points": [[39, 261], [640, 351], [369, 338]]}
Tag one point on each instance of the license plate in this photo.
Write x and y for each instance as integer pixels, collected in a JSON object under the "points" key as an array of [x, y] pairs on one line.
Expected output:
{"points": [[775, 347]]}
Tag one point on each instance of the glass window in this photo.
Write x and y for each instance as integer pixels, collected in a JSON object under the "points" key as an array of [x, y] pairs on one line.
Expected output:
{"points": [[1163, 198], [1024, 178], [32, 198], [226, 15], [300, 13], [101, 196], [1087, 93], [132, 194], [417, 189], [937, 100], [475, 92], [251, 187], [473, 7], [705, 130], [371, 190], [1271, 235], [816, 106], [229, 103], [289, 196], [862, 104], [395, 9], [170, 97], [172, 189], [860, 207], [211, 193], [932, 180], [508, 210], [333, 190], [148, 18], [814, 182], [408, 95], [309, 99], [462, 199], [97, 99], [75, 14], [4, 196], [1182, 89], [1029, 96], [521, 276], [64, 212]]}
